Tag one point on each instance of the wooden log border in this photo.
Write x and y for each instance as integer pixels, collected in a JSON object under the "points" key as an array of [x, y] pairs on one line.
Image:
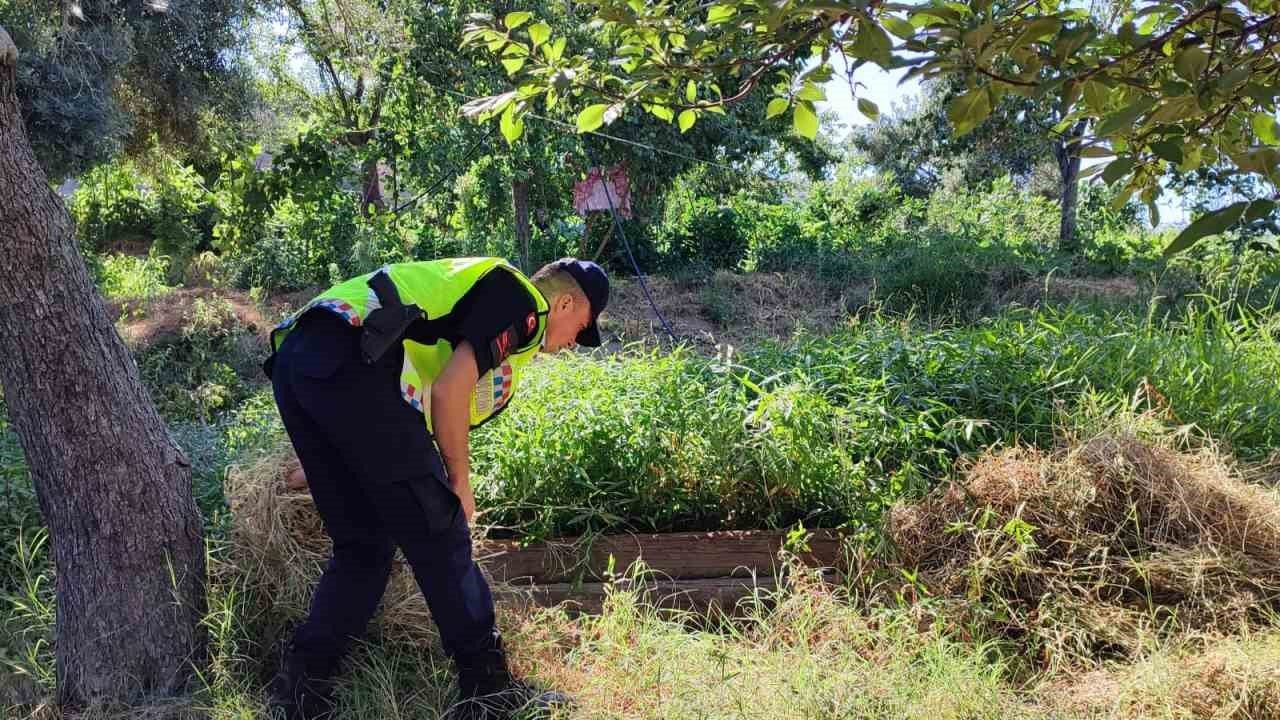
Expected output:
{"points": [[688, 571]]}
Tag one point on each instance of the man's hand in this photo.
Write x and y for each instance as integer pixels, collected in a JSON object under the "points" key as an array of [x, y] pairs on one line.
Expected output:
{"points": [[463, 489], [451, 420]]}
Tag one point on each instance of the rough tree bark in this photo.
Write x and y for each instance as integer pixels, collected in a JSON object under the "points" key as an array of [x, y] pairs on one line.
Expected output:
{"points": [[113, 487], [520, 207], [1067, 151]]}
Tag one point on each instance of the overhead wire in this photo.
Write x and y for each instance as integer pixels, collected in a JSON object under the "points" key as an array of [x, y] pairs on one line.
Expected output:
{"points": [[615, 138], [613, 212], [608, 193], [617, 226]]}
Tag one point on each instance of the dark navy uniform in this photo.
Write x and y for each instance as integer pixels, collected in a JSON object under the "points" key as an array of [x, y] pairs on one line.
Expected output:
{"points": [[377, 478]]}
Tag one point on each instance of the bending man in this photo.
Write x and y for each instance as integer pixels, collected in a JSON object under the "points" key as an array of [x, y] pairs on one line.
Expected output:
{"points": [[356, 374]]}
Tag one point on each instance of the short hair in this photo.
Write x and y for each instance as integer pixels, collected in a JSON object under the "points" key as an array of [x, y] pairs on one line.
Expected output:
{"points": [[553, 281]]}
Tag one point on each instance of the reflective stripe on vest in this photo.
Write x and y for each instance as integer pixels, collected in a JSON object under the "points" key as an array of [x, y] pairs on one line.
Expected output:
{"points": [[435, 287]]}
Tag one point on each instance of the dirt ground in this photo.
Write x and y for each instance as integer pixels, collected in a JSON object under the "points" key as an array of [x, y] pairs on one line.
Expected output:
{"points": [[143, 323], [728, 308], [722, 309]]}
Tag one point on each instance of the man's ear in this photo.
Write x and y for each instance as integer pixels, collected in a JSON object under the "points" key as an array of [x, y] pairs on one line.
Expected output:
{"points": [[564, 302]]}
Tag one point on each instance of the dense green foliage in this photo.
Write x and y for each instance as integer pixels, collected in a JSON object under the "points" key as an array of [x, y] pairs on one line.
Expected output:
{"points": [[292, 227], [101, 77], [1154, 86]]}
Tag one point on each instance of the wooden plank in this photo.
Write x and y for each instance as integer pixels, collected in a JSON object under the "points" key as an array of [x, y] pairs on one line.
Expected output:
{"points": [[697, 595], [690, 555]]}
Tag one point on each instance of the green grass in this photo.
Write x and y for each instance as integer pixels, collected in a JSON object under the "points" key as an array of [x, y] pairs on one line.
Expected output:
{"points": [[831, 430], [824, 431], [125, 277]]}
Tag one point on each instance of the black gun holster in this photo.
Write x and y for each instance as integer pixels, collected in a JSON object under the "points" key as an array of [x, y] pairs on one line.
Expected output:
{"points": [[386, 325]]}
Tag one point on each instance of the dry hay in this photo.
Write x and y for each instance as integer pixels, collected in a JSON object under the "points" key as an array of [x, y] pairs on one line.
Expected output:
{"points": [[1049, 289], [1089, 552], [279, 547], [1217, 678]]}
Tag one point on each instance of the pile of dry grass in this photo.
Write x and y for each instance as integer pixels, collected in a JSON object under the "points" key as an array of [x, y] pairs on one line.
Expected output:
{"points": [[279, 547], [1225, 678], [1091, 552]]}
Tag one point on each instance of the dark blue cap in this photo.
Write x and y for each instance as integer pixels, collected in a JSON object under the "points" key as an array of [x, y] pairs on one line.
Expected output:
{"points": [[594, 282]]}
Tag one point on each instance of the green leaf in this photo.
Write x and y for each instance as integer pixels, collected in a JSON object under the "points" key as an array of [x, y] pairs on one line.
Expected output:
{"points": [[1214, 223], [776, 107], [1096, 151], [1168, 150], [1265, 128], [539, 33], [720, 13], [686, 120], [1117, 169], [512, 125], [805, 120], [1036, 29], [898, 26], [1125, 117], [1235, 77], [812, 93], [516, 19], [872, 43], [968, 110], [1259, 209], [552, 51], [1096, 95], [977, 37], [662, 112], [1175, 109], [868, 108], [591, 117], [1191, 63], [691, 91], [513, 65], [485, 107]]}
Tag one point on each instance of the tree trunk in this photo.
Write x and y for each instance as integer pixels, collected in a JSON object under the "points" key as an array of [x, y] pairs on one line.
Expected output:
{"points": [[113, 487], [372, 201], [520, 206], [1067, 151]]}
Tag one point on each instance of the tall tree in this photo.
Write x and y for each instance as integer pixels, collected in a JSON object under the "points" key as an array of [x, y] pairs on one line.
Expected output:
{"points": [[113, 487], [917, 147], [1148, 84]]}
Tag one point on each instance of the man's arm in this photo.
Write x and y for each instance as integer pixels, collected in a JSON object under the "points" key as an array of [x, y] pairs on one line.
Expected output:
{"points": [[451, 420]]}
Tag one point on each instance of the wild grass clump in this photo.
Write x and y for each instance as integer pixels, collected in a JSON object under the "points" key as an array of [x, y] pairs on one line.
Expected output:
{"points": [[1097, 550], [1217, 679], [803, 652], [127, 277]]}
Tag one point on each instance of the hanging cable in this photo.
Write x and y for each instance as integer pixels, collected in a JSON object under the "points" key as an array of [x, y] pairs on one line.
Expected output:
{"points": [[435, 185], [617, 226]]}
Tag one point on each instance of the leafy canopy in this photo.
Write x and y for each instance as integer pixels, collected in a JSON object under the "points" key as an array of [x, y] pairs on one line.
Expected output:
{"points": [[1161, 85]]}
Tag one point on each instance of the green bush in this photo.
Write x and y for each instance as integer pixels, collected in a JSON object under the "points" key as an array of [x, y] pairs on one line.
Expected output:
{"points": [[204, 370], [110, 206], [165, 210], [182, 222], [699, 230], [125, 277]]}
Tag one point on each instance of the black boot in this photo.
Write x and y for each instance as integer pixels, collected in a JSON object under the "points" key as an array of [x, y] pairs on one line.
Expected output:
{"points": [[487, 691], [303, 689]]}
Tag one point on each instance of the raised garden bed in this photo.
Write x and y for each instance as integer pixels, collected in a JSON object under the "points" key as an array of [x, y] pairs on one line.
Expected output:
{"points": [[688, 570]]}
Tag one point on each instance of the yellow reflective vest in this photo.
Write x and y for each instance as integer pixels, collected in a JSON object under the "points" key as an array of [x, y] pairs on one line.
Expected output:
{"points": [[435, 287]]}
